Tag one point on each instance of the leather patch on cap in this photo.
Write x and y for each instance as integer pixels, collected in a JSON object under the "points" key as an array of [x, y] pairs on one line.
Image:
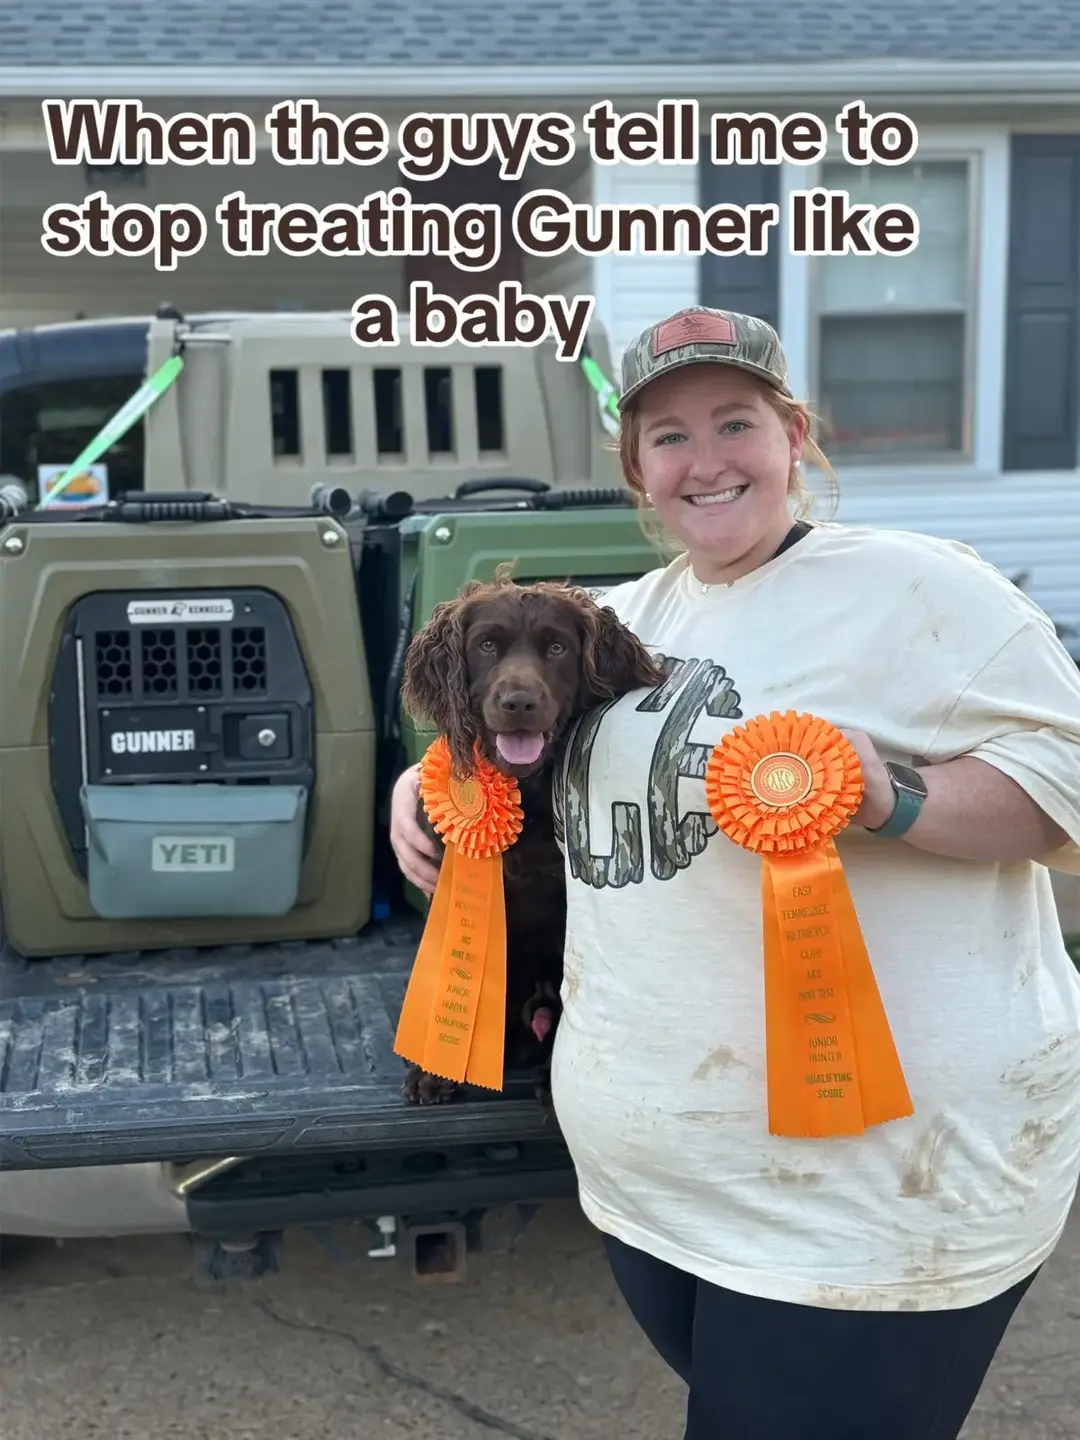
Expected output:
{"points": [[693, 328]]}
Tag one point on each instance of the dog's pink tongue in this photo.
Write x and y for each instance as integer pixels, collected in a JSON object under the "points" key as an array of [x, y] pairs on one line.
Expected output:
{"points": [[541, 1023], [520, 748]]}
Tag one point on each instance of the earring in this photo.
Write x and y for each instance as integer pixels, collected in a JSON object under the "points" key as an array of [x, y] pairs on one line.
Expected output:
{"points": [[648, 497]]}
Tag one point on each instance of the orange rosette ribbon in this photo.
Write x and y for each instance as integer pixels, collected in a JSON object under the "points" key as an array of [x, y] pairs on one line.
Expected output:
{"points": [[453, 1019], [783, 786]]}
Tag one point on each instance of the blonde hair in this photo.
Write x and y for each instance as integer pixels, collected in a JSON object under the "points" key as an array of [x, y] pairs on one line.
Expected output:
{"points": [[787, 409]]}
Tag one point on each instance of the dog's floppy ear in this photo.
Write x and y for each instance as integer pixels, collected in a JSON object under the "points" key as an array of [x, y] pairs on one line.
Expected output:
{"points": [[614, 659], [435, 682]]}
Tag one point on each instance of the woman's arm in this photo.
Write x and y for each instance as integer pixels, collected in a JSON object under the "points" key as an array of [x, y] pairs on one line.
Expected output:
{"points": [[416, 852], [972, 810]]}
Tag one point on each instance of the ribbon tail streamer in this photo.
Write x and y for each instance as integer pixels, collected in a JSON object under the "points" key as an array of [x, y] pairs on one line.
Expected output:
{"points": [[814, 1079], [832, 1064], [418, 1008], [783, 1090], [885, 1093], [486, 1056], [453, 1020]]}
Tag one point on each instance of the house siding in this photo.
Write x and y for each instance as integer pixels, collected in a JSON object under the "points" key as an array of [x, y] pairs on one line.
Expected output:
{"points": [[1019, 520], [36, 288], [569, 273], [635, 290]]}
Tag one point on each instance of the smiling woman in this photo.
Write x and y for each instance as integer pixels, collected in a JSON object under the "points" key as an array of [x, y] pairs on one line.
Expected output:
{"points": [[801, 1282], [724, 500], [740, 482]]}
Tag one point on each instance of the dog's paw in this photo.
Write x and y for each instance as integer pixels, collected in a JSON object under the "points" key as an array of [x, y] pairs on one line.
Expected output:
{"points": [[421, 1088]]}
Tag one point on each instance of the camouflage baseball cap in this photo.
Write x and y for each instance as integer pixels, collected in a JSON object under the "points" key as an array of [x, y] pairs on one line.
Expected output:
{"points": [[698, 334]]}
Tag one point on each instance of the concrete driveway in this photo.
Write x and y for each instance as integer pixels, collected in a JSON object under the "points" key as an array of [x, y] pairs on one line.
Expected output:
{"points": [[115, 1339]]}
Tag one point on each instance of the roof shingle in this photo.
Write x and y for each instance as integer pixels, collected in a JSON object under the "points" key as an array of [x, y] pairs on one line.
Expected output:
{"points": [[263, 34]]}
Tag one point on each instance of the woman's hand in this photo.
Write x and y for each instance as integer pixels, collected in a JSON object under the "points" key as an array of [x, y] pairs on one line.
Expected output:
{"points": [[417, 854], [878, 795]]}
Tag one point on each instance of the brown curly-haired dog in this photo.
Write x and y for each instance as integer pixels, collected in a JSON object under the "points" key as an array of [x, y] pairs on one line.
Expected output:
{"points": [[511, 666]]}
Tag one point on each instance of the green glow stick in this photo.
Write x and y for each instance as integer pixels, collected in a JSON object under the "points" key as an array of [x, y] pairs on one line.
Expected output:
{"points": [[607, 393], [149, 391]]}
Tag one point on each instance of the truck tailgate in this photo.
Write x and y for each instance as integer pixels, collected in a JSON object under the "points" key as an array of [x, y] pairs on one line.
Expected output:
{"points": [[253, 1050]]}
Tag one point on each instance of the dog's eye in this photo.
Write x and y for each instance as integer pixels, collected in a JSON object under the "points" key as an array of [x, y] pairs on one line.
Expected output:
{"points": [[488, 646], [556, 647]]}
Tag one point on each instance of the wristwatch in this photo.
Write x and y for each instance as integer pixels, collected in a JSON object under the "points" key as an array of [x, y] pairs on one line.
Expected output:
{"points": [[910, 790]]}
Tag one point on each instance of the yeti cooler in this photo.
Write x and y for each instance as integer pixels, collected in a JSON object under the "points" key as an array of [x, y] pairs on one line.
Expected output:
{"points": [[170, 851]]}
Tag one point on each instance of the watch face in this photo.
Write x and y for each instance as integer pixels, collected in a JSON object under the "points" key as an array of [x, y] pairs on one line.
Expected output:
{"points": [[907, 778]]}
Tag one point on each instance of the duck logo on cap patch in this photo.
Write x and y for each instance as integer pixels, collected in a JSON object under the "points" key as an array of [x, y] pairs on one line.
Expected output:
{"points": [[692, 327]]}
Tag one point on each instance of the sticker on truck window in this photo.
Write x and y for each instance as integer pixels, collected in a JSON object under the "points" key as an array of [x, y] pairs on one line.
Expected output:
{"points": [[179, 612], [192, 852]]}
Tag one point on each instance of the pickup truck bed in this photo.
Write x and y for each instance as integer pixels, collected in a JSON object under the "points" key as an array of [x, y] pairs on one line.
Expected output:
{"points": [[274, 1052]]}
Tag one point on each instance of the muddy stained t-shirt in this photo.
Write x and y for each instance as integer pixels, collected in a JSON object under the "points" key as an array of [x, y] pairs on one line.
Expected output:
{"points": [[659, 1074]]}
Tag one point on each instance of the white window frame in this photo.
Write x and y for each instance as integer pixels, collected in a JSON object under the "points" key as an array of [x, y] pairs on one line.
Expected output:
{"points": [[970, 311], [986, 149]]}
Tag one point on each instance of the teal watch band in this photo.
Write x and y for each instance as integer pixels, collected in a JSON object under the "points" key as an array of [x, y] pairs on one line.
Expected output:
{"points": [[910, 791]]}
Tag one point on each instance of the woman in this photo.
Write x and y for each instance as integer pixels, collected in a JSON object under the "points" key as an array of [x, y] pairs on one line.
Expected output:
{"points": [[853, 1286]]}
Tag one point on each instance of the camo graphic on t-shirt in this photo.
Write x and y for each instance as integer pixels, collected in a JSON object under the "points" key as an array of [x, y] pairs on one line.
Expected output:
{"points": [[692, 688]]}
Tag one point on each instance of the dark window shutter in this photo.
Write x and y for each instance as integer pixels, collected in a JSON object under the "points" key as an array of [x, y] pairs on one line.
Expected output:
{"points": [[1042, 337], [747, 283]]}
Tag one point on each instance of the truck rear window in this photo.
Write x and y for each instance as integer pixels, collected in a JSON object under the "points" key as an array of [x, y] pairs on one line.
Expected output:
{"points": [[50, 424]]}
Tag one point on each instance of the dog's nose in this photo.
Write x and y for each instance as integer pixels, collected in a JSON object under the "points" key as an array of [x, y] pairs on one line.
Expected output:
{"points": [[518, 702]]}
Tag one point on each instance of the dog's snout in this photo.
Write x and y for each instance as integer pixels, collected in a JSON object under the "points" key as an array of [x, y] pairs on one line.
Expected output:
{"points": [[518, 702]]}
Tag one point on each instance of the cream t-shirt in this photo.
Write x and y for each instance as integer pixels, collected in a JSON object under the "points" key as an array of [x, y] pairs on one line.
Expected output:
{"points": [[659, 1063]]}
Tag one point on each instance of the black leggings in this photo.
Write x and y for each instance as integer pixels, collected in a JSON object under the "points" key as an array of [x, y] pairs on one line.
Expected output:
{"points": [[766, 1370]]}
